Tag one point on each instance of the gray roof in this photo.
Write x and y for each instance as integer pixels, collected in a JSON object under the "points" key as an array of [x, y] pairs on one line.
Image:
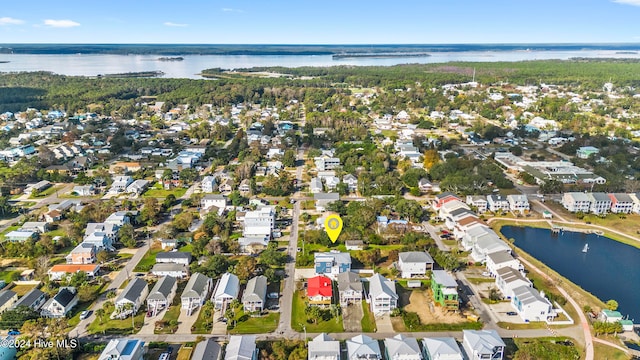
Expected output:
{"points": [[363, 347], [173, 255], [443, 278], [600, 196], [196, 286], [338, 257], [500, 257], [579, 196], [256, 290], [162, 288], [207, 350], [6, 295], [621, 197], [349, 280], [401, 345], [509, 275], [326, 196], [214, 197], [64, 297], [82, 248], [29, 298], [378, 285], [240, 347], [133, 290], [436, 347], [483, 341], [528, 295], [324, 347], [161, 267], [415, 257]]}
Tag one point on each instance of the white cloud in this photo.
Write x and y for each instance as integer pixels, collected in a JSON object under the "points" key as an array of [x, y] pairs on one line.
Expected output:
{"points": [[169, 23], [628, 2], [232, 10], [61, 23], [10, 21]]}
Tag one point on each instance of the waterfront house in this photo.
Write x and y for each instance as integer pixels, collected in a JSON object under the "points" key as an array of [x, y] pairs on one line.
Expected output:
{"points": [[414, 263], [349, 288], [60, 271], [457, 216], [450, 206], [461, 228], [441, 348], [445, 290], [254, 297], [134, 293], [479, 202], [635, 197], [61, 304], [576, 202], [174, 257], [610, 316], [508, 278], [319, 291], [123, 349], [226, 290], [383, 297], [179, 271], [486, 245], [196, 292], [518, 203], [362, 347], [7, 299], [497, 203], [600, 203], [401, 347], [483, 344], [323, 347], [531, 305], [33, 299], [207, 349], [331, 263], [241, 347], [621, 203], [162, 294], [501, 259]]}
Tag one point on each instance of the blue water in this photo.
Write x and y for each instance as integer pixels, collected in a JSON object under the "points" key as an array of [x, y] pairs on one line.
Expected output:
{"points": [[609, 270]]}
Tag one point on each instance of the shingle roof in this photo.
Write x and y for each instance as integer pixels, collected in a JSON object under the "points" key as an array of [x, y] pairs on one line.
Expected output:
{"points": [[256, 289], [436, 347], [6, 295], [349, 280], [378, 285], [196, 286], [207, 350], [500, 257], [29, 298], [173, 255], [240, 347], [133, 290], [415, 257], [401, 345], [162, 288], [443, 278]]}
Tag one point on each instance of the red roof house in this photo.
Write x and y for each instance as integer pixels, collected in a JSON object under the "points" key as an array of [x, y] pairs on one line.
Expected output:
{"points": [[319, 290]]}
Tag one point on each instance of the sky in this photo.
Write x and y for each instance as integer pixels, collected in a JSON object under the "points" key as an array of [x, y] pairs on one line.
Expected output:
{"points": [[320, 22]]}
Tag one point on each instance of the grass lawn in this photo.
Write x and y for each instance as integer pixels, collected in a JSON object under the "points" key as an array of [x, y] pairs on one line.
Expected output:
{"points": [[299, 318], [203, 323], [26, 204], [22, 289], [257, 325], [170, 315], [46, 192], [8, 276], [480, 280], [9, 229], [519, 326], [57, 232], [116, 327], [602, 351], [74, 320], [184, 353], [158, 191], [368, 322], [186, 248], [148, 260]]}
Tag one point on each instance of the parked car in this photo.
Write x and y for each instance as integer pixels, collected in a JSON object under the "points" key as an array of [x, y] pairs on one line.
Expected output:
{"points": [[85, 314], [273, 295], [512, 313], [14, 332]]}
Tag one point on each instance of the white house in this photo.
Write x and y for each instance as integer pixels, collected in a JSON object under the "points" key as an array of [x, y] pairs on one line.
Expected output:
{"points": [[621, 203], [323, 347], [610, 316], [576, 201], [254, 297], [479, 202], [518, 203], [61, 304], [414, 263], [600, 203], [401, 347], [137, 187], [351, 182], [497, 203], [326, 163], [174, 257], [349, 288], [362, 347], [208, 184], [483, 344], [179, 271], [217, 201], [636, 202], [501, 259], [226, 290], [162, 294], [123, 349], [486, 245], [324, 199], [134, 293], [241, 347], [196, 292], [508, 279], [120, 183], [382, 294], [259, 223], [315, 185], [83, 190], [441, 348], [531, 305]]}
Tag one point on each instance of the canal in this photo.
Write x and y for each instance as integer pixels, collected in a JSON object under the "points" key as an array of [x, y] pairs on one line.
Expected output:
{"points": [[608, 270]]}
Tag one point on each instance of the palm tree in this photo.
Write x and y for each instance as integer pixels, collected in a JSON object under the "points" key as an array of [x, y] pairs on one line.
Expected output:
{"points": [[100, 313]]}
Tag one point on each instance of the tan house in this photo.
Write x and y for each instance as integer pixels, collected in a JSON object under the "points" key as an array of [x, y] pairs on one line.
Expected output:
{"points": [[84, 253], [7, 299]]}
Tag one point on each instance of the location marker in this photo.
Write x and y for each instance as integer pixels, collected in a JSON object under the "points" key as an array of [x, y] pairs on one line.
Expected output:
{"points": [[333, 226]]}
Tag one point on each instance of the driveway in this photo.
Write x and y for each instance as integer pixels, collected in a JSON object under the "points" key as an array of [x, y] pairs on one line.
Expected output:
{"points": [[351, 317], [150, 323], [185, 322], [383, 324]]}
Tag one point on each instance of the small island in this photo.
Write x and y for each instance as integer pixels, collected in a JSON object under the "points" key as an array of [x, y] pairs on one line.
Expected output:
{"points": [[379, 55], [175, 58], [139, 74]]}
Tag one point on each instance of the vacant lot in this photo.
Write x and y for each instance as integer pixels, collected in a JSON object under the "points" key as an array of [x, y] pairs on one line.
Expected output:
{"points": [[432, 313]]}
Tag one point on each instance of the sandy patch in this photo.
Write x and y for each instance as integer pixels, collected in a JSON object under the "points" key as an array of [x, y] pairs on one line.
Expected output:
{"points": [[419, 302]]}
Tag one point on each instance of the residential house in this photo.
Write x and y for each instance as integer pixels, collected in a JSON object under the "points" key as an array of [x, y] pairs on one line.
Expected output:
{"points": [[518, 203], [245, 187], [457, 216], [450, 206], [497, 203], [40, 227], [349, 288], [487, 245], [20, 235], [134, 293], [351, 182], [464, 225], [414, 263], [531, 305], [354, 245], [123, 167], [253, 244], [331, 263], [324, 199], [207, 349], [259, 223], [362, 347], [209, 184], [53, 216], [37, 187], [383, 297], [610, 316], [600, 203], [254, 297], [441, 348], [326, 163], [120, 184], [471, 236], [332, 182], [84, 253], [84, 190], [576, 202], [479, 202], [137, 187], [585, 151], [315, 185], [445, 290], [635, 197], [162, 294], [425, 185], [508, 278], [61, 304], [442, 199], [196, 292], [123, 349], [214, 201], [401, 347], [168, 244], [33, 299], [323, 347], [60, 271], [483, 344], [179, 271], [241, 347], [100, 240], [621, 203], [501, 259], [319, 290], [7, 299], [174, 257], [226, 290]]}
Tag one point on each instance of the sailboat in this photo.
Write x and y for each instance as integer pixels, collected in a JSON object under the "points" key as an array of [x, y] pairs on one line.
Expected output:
{"points": [[585, 248]]}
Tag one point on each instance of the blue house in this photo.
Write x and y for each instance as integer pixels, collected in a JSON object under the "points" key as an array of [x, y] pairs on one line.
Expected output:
{"points": [[332, 263]]}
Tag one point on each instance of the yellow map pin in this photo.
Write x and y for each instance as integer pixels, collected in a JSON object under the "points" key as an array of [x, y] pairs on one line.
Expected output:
{"points": [[333, 226]]}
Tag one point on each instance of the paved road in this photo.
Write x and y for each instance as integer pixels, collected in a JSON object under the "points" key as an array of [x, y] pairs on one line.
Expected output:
{"points": [[41, 202]]}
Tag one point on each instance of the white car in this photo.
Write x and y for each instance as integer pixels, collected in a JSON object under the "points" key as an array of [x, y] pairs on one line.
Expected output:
{"points": [[273, 295], [85, 314]]}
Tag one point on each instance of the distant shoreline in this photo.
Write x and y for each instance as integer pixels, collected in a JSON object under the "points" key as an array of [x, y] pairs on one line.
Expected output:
{"points": [[378, 55]]}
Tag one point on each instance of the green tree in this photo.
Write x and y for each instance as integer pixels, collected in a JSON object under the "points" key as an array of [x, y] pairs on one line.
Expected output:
{"points": [[14, 318], [612, 305], [127, 236], [289, 158]]}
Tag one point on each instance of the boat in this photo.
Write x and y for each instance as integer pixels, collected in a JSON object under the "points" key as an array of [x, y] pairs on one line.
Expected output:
{"points": [[585, 248]]}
